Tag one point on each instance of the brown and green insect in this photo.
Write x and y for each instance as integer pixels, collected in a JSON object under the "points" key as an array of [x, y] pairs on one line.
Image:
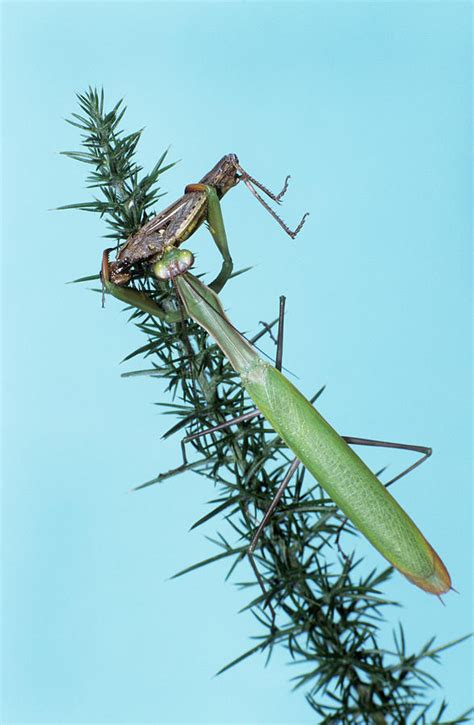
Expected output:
{"points": [[177, 222]]}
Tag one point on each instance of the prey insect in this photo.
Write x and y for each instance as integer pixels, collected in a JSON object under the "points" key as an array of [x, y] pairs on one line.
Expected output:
{"points": [[178, 221], [359, 494]]}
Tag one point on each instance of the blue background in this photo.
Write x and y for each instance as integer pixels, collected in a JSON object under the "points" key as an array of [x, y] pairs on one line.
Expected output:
{"points": [[367, 106]]}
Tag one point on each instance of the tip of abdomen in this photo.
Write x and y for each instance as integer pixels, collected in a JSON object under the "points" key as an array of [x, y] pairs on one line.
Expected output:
{"points": [[438, 582]]}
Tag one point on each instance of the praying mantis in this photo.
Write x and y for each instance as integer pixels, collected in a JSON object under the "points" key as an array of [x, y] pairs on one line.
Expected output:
{"points": [[359, 494]]}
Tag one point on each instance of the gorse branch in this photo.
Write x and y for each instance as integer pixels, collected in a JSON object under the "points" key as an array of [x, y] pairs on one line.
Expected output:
{"points": [[126, 198], [329, 615]]}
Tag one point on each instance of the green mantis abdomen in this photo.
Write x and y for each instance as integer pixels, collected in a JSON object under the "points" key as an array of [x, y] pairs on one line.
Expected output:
{"points": [[345, 477]]}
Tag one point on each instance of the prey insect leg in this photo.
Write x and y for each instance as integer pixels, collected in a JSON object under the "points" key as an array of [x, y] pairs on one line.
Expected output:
{"points": [[251, 183], [245, 176], [217, 229]]}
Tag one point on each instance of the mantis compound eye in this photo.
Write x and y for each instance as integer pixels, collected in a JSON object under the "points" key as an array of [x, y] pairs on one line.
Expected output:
{"points": [[173, 263]]}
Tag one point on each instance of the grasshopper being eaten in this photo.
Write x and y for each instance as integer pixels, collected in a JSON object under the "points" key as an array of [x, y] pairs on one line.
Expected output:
{"points": [[178, 221]]}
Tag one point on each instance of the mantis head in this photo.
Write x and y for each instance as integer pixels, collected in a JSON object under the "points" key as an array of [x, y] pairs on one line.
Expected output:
{"points": [[173, 263]]}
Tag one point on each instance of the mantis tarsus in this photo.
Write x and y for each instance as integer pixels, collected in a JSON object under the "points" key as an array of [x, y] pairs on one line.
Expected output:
{"points": [[344, 476]]}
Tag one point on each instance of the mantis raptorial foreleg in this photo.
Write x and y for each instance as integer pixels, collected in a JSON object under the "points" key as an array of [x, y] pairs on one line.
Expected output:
{"points": [[217, 229]]}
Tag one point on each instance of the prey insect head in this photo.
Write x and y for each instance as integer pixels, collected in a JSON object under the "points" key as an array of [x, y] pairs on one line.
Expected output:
{"points": [[173, 263], [224, 176]]}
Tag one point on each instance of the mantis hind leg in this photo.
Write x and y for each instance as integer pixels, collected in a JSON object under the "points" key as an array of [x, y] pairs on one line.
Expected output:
{"points": [[425, 451]]}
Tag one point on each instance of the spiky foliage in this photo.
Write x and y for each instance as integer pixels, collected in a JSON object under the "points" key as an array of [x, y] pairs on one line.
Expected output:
{"points": [[126, 198], [328, 614]]}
